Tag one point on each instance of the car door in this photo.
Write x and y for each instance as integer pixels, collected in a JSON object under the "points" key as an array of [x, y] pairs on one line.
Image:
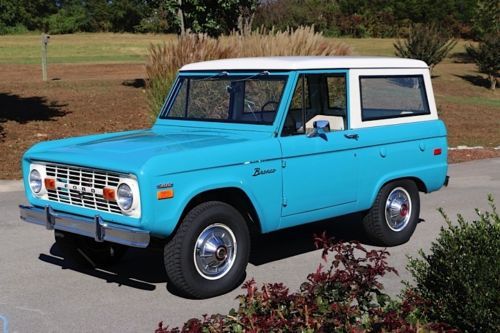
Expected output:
{"points": [[319, 168]]}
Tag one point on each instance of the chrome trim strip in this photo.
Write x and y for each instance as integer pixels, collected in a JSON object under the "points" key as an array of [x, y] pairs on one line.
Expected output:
{"points": [[95, 228]]}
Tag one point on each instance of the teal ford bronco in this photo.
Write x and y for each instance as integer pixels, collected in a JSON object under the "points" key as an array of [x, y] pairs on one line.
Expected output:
{"points": [[245, 146]]}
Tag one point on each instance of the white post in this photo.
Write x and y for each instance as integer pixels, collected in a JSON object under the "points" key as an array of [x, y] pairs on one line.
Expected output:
{"points": [[45, 42]]}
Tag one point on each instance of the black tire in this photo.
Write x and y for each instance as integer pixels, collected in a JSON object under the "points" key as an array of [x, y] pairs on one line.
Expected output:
{"points": [[387, 231], [182, 259], [84, 251]]}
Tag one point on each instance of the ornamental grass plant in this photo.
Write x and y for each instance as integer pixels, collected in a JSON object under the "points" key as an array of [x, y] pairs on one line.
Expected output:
{"points": [[164, 60]]}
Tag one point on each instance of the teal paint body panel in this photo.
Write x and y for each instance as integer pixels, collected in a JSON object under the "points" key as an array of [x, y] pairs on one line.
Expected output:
{"points": [[191, 162], [319, 172], [289, 180]]}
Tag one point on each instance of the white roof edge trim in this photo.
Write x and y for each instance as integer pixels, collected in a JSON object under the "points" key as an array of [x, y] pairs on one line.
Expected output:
{"points": [[304, 63]]}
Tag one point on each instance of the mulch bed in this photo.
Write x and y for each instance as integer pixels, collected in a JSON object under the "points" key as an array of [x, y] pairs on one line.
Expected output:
{"points": [[464, 155]]}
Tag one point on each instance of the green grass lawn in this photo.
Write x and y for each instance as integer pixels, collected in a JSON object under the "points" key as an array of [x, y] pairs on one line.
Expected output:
{"points": [[384, 46], [109, 47], [78, 48]]}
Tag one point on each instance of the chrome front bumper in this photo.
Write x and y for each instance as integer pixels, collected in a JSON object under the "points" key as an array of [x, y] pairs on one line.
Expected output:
{"points": [[95, 228]]}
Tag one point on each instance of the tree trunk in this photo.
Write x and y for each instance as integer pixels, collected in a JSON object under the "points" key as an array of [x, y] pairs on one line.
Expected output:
{"points": [[180, 14]]}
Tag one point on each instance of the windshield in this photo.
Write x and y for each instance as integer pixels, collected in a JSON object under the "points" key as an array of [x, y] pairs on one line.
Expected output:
{"points": [[239, 99]]}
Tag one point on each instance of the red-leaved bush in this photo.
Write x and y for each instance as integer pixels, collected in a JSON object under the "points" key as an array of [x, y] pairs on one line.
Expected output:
{"points": [[344, 297]]}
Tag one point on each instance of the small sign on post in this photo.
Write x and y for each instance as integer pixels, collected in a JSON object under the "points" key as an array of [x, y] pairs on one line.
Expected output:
{"points": [[45, 42]]}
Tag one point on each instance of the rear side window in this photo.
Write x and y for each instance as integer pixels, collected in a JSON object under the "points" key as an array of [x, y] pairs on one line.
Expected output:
{"points": [[336, 92], [384, 97]]}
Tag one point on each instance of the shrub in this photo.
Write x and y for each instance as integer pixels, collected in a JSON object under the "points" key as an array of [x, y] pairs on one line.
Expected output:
{"points": [[67, 21], [15, 30], [345, 297], [460, 277], [426, 43], [166, 59], [487, 57]]}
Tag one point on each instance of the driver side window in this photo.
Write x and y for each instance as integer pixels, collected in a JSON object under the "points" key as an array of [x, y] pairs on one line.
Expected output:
{"points": [[317, 97], [300, 102]]}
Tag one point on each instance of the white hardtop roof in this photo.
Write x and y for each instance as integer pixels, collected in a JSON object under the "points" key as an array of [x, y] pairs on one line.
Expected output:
{"points": [[304, 63]]}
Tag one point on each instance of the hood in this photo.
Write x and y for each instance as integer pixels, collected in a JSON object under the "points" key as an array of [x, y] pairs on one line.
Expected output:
{"points": [[149, 142], [131, 151]]}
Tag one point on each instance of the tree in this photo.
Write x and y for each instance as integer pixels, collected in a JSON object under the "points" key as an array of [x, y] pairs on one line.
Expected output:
{"points": [[213, 17], [159, 17], [426, 43], [9, 15], [127, 14], [35, 12], [98, 15], [67, 20], [487, 57], [31, 14], [486, 20]]}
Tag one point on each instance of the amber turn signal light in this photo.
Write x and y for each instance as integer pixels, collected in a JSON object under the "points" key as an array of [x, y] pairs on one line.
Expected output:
{"points": [[109, 194], [50, 183], [166, 194]]}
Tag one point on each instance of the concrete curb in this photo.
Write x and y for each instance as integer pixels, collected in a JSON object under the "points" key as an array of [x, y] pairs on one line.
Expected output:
{"points": [[11, 186]]}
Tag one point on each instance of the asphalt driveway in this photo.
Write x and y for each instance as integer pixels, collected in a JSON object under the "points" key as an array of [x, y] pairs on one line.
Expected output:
{"points": [[41, 292]]}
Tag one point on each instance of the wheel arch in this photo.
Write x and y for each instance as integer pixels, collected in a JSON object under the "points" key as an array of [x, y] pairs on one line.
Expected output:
{"points": [[418, 182], [233, 196]]}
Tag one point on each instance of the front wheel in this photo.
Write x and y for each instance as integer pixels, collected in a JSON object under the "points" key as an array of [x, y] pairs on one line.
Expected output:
{"points": [[209, 253], [394, 215]]}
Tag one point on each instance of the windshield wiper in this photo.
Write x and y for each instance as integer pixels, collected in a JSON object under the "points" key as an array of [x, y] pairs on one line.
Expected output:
{"points": [[224, 74], [252, 76], [213, 77]]}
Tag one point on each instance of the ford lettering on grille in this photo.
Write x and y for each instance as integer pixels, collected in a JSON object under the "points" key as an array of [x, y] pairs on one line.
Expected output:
{"points": [[83, 187]]}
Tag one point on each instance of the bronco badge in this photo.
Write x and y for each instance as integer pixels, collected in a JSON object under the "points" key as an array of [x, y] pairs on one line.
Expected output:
{"points": [[259, 171]]}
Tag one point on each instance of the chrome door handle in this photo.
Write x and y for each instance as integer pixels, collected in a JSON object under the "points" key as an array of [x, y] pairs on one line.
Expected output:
{"points": [[351, 136]]}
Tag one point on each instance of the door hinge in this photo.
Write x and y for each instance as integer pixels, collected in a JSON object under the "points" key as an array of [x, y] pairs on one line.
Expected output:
{"points": [[283, 163], [285, 202]]}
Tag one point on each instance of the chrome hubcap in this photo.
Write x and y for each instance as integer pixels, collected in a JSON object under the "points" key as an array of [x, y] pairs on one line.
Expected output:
{"points": [[215, 251], [398, 209]]}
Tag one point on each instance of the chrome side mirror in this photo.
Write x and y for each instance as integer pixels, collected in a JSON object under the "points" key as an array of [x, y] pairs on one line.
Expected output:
{"points": [[321, 127]]}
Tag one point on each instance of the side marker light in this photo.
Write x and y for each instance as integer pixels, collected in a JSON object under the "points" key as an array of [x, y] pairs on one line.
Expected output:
{"points": [[165, 194]]}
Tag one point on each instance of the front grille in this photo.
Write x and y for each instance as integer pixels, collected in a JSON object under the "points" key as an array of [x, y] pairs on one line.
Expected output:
{"points": [[91, 179]]}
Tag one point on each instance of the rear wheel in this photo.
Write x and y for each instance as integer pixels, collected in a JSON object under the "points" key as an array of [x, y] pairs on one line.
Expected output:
{"points": [[394, 214], [209, 253], [87, 252]]}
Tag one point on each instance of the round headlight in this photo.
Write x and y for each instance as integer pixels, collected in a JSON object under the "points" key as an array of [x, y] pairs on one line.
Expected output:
{"points": [[35, 181], [125, 197]]}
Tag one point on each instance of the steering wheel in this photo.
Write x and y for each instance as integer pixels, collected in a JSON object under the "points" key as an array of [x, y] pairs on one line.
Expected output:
{"points": [[268, 103], [290, 125]]}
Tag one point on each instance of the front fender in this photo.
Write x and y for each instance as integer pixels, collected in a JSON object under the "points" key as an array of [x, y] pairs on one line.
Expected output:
{"points": [[264, 192]]}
